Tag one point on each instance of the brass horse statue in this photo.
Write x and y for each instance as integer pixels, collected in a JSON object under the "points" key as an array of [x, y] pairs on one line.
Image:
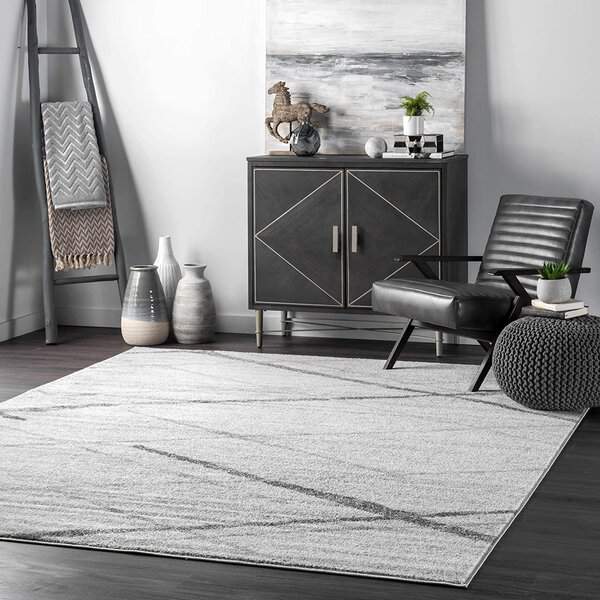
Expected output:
{"points": [[286, 112]]}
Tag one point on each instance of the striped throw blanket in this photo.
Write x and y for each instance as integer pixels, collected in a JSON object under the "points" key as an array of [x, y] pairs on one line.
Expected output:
{"points": [[81, 238]]}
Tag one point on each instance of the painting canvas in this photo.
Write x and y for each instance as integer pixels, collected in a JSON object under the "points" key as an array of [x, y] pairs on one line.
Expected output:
{"points": [[359, 57]]}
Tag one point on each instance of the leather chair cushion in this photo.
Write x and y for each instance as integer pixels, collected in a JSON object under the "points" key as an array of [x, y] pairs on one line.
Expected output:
{"points": [[467, 306]]}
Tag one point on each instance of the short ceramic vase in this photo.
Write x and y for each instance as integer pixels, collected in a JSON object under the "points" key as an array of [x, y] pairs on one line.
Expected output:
{"points": [[305, 140], [554, 291], [169, 272], [144, 319], [194, 315]]}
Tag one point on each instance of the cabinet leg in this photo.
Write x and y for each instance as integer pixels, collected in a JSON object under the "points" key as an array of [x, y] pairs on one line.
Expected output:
{"points": [[259, 328], [286, 326], [439, 343]]}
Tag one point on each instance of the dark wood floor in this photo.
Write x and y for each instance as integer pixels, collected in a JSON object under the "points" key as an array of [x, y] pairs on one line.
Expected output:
{"points": [[552, 551]]}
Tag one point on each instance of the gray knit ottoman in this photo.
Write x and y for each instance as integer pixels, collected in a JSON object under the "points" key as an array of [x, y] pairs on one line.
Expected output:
{"points": [[550, 364]]}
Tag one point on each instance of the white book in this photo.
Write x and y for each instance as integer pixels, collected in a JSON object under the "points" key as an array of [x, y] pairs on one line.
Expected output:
{"points": [[558, 307], [442, 154], [401, 155], [532, 311]]}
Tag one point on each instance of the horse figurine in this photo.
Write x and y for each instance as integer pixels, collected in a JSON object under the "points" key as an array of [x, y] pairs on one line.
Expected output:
{"points": [[286, 112]]}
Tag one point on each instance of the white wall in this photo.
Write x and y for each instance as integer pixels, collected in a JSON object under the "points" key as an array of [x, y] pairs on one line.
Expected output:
{"points": [[184, 85], [184, 82], [533, 110], [20, 247]]}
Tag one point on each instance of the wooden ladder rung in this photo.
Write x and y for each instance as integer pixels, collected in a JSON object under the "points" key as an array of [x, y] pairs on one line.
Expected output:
{"points": [[58, 50], [86, 279]]}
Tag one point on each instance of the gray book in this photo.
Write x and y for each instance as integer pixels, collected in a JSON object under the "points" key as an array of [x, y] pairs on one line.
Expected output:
{"points": [[532, 311]]}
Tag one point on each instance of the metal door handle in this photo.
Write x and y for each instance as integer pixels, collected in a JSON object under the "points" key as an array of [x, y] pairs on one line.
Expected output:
{"points": [[354, 239], [335, 239]]}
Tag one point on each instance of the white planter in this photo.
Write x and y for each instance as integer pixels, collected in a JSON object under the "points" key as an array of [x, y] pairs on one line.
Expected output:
{"points": [[169, 272], [414, 125], [554, 290]]}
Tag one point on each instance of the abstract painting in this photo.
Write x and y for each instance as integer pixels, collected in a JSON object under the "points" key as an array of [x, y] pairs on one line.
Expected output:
{"points": [[359, 57]]}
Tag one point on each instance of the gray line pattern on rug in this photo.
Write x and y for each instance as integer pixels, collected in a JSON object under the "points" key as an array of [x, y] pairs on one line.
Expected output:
{"points": [[363, 505]]}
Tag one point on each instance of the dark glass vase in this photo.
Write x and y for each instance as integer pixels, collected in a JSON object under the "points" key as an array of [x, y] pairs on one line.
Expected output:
{"points": [[305, 140]]}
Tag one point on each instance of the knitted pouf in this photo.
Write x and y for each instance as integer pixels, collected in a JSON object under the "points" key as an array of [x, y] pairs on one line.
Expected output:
{"points": [[550, 364]]}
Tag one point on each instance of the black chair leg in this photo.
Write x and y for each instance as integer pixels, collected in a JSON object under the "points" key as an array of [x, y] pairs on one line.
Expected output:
{"points": [[484, 369], [399, 346]]}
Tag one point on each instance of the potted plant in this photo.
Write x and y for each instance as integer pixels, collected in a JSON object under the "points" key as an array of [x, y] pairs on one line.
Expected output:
{"points": [[414, 108], [554, 286]]}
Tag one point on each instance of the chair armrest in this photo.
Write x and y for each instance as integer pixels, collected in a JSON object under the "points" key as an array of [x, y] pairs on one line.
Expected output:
{"points": [[434, 258], [420, 260], [524, 271], [511, 276]]}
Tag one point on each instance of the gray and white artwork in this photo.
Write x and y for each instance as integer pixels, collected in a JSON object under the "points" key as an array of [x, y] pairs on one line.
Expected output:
{"points": [[359, 57]]}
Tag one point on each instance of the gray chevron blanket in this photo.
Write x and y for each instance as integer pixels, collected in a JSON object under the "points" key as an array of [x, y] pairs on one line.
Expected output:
{"points": [[81, 238], [72, 154]]}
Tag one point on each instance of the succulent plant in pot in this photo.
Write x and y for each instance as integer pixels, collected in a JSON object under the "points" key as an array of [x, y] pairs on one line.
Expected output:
{"points": [[554, 286], [414, 109]]}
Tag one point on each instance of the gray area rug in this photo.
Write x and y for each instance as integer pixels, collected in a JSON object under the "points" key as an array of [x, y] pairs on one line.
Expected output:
{"points": [[317, 463]]}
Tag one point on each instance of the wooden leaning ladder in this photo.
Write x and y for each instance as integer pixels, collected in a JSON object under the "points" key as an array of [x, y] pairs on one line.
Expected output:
{"points": [[33, 51]]}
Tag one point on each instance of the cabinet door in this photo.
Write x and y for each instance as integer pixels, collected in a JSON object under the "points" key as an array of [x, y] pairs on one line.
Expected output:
{"points": [[297, 216], [389, 213]]}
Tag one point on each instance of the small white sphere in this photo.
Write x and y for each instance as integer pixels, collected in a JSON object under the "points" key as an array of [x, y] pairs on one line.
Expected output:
{"points": [[375, 147]]}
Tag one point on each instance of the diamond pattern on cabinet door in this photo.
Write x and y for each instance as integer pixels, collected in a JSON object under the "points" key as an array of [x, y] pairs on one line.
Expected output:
{"points": [[278, 190], [300, 237], [404, 222], [286, 284]]}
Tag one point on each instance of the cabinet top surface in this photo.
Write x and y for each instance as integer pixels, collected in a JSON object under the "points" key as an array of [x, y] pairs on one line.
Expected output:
{"points": [[343, 159]]}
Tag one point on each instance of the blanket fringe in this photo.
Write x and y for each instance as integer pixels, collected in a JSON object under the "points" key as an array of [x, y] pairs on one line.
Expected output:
{"points": [[82, 261]]}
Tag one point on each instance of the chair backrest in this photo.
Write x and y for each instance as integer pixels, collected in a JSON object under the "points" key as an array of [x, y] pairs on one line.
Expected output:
{"points": [[530, 230]]}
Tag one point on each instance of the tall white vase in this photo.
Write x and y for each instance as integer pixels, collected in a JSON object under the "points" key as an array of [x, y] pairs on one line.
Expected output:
{"points": [[169, 272]]}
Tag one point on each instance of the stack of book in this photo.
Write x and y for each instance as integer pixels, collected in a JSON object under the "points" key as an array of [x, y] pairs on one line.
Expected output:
{"points": [[562, 310], [429, 145]]}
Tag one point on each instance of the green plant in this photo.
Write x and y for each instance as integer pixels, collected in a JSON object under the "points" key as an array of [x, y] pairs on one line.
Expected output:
{"points": [[415, 107], [552, 270]]}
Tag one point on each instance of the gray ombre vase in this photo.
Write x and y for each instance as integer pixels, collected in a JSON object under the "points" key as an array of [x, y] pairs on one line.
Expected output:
{"points": [[144, 319], [194, 315]]}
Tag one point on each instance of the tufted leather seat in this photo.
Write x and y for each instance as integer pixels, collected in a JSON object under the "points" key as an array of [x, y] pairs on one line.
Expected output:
{"points": [[443, 303]]}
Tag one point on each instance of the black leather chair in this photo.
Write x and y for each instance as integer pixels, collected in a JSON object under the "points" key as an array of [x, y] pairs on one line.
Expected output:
{"points": [[527, 231]]}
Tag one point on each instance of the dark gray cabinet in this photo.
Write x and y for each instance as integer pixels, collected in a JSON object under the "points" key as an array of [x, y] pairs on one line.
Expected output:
{"points": [[322, 229]]}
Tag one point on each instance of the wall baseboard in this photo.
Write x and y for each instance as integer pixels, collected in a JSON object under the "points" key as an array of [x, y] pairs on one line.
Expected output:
{"points": [[12, 328], [88, 316], [245, 323]]}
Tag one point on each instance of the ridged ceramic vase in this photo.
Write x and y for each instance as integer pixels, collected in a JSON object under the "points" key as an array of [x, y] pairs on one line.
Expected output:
{"points": [[194, 316], [144, 319], [169, 272]]}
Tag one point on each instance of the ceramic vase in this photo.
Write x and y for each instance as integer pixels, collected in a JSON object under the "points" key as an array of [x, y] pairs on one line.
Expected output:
{"points": [[554, 291], [144, 319], [169, 272], [194, 316], [414, 125]]}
